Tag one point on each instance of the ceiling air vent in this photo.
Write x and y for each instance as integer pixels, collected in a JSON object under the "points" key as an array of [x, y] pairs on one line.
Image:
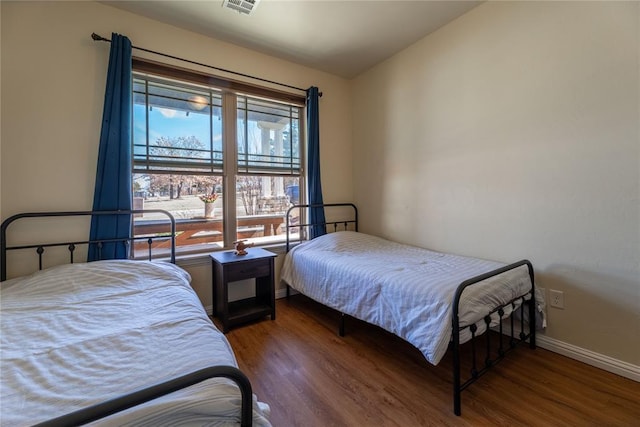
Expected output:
{"points": [[242, 6]]}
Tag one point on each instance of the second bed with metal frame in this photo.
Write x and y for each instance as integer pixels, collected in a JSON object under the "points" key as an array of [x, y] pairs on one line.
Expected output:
{"points": [[479, 365]]}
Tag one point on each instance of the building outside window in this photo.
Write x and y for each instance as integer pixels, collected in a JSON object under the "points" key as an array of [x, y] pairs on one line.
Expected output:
{"points": [[226, 164]]}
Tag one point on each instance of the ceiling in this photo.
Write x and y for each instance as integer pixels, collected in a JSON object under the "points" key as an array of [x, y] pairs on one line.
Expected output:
{"points": [[343, 38]]}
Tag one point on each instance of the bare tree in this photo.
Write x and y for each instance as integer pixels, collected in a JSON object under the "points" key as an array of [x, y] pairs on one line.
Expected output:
{"points": [[168, 149], [249, 189]]}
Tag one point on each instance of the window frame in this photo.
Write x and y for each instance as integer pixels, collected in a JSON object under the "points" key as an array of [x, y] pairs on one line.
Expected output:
{"points": [[141, 65], [230, 91]]}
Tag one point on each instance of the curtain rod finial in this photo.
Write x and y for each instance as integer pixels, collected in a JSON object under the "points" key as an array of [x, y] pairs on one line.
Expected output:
{"points": [[97, 37]]}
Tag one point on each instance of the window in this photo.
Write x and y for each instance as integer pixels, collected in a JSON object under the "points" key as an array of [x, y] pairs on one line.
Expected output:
{"points": [[226, 163]]}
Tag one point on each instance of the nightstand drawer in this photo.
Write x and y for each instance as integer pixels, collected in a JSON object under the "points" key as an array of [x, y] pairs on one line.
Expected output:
{"points": [[246, 270]]}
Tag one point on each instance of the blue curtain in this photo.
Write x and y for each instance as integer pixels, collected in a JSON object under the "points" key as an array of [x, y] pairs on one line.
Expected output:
{"points": [[113, 177], [316, 215]]}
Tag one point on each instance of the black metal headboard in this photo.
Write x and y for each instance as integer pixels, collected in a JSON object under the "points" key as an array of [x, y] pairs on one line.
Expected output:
{"points": [[336, 215], [71, 245]]}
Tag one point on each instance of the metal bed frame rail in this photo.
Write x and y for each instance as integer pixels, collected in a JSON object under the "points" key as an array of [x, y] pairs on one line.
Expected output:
{"points": [[303, 226], [71, 246], [491, 359], [110, 407]]}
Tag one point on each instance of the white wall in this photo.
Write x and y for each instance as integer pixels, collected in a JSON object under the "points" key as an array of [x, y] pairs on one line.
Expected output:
{"points": [[513, 133], [53, 81]]}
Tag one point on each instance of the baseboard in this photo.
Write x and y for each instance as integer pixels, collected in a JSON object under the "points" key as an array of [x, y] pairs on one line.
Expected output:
{"points": [[589, 357], [282, 293]]}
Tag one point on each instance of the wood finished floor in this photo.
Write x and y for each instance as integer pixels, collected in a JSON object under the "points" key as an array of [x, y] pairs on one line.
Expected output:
{"points": [[312, 377]]}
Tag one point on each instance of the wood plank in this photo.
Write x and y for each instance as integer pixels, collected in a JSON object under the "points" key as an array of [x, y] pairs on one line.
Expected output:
{"points": [[312, 377]]}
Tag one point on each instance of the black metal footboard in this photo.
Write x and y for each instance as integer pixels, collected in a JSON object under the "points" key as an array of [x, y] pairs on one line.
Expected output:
{"points": [[130, 400], [490, 360], [72, 245]]}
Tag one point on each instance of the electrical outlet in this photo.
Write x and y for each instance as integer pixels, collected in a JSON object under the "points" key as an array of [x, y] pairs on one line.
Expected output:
{"points": [[557, 298]]}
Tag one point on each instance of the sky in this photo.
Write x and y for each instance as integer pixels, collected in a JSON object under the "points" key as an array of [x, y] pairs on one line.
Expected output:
{"points": [[172, 123]]}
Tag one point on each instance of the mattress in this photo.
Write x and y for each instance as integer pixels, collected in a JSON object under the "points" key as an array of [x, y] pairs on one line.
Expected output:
{"points": [[404, 289], [79, 334]]}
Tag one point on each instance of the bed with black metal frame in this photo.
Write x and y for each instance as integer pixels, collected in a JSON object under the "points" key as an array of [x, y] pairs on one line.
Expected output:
{"points": [[132, 399], [297, 231]]}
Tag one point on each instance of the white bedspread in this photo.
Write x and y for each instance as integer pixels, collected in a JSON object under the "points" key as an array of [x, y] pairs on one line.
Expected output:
{"points": [[76, 335], [404, 289]]}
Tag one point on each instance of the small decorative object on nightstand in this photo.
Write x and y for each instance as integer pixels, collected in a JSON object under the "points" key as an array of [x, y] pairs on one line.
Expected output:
{"points": [[241, 246], [228, 267]]}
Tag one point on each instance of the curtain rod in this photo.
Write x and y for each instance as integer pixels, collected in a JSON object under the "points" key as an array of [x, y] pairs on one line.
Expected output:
{"points": [[97, 37]]}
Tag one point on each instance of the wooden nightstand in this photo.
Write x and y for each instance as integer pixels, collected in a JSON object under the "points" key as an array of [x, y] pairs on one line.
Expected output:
{"points": [[228, 267]]}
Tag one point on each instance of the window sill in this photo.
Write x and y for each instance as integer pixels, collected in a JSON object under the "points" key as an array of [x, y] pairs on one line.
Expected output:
{"points": [[196, 254], [201, 256]]}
